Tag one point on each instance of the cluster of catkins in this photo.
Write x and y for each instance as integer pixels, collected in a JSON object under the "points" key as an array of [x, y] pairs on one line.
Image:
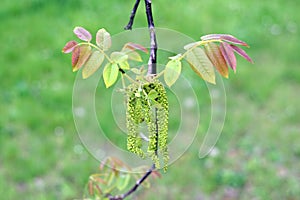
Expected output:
{"points": [[147, 103]]}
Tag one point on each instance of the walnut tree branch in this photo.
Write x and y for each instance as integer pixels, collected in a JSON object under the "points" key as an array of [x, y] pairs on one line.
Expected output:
{"points": [[151, 72]]}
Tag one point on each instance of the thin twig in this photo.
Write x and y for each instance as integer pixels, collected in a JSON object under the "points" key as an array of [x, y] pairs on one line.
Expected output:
{"points": [[132, 16]]}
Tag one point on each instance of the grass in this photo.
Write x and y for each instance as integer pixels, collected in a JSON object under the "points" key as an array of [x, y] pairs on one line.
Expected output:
{"points": [[258, 152]]}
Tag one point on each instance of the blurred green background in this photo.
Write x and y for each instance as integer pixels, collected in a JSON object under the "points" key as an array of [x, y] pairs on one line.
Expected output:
{"points": [[258, 154]]}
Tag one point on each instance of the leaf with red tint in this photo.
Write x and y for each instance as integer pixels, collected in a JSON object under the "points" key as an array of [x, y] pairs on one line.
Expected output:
{"points": [[84, 53], [82, 34], [231, 39], [75, 56], [241, 52], [69, 47], [156, 174], [211, 37], [228, 54], [134, 46], [224, 37], [214, 53]]}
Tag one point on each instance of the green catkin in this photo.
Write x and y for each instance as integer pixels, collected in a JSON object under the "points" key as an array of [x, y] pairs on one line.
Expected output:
{"points": [[142, 109]]}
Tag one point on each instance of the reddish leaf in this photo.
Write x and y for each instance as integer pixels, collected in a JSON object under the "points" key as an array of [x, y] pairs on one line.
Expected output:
{"points": [[241, 52], [211, 37], [214, 53], [133, 46], [91, 188], [224, 37], [82, 34], [75, 56], [228, 54], [69, 47], [231, 39], [156, 174], [84, 53]]}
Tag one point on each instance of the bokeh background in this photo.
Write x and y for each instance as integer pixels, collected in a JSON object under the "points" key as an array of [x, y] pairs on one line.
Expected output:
{"points": [[258, 154]]}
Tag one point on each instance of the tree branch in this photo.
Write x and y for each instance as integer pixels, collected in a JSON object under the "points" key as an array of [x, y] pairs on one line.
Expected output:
{"points": [[153, 43], [152, 72], [132, 16]]}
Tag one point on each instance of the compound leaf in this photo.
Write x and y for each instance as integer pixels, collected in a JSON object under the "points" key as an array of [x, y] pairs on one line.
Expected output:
{"points": [[200, 63], [172, 72], [92, 64], [110, 74], [214, 53], [82, 34], [103, 39]]}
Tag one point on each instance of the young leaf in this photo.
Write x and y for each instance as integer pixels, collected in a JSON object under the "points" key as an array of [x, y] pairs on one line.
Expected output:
{"points": [[201, 64], [92, 64], [172, 72], [118, 57], [232, 39], [241, 52], [121, 59], [103, 39], [214, 53], [110, 74], [132, 55], [133, 46], [211, 37], [82, 34], [228, 54], [224, 37], [75, 56], [84, 53], [69, 47]]}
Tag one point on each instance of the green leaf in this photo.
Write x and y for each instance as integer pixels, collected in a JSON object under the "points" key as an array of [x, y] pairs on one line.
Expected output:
{"points": [[172, 72], [80, 55], [121, 59], [201, 64], [110, 74], [92, 64], [118, 57], [214, 53], [103, 39], [152, 95], [132, 55], [123, 181]]}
